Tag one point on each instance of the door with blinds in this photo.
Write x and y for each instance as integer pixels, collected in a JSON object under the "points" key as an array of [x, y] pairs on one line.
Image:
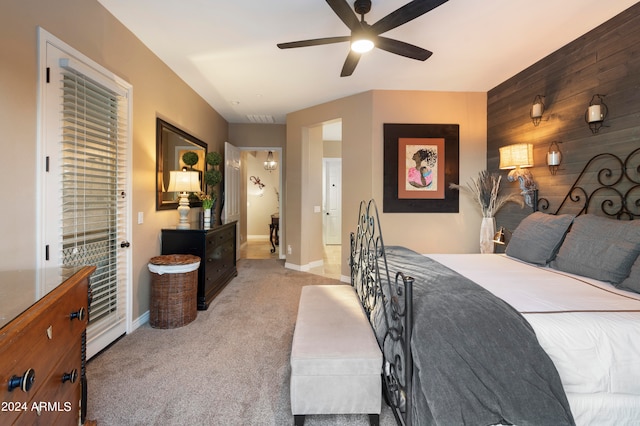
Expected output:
{"points": [[85, 183]]}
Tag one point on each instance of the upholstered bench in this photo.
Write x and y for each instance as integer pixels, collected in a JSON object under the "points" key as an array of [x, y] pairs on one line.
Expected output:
{"points": [[335, 359]]}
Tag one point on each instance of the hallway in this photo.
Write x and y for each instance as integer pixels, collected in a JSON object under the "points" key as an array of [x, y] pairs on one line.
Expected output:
{"points": [[261, 249]]}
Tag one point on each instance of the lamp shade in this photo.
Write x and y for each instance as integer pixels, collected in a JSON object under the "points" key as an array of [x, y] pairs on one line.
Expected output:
{"points": [[516, 156], [184, 181]]}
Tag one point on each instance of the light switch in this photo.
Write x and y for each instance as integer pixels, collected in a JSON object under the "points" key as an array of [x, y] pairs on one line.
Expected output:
{"points": [[140, 218]]}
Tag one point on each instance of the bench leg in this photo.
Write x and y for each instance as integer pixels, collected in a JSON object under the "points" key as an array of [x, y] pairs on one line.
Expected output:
{"points": [[374, 419], [298, 419]]}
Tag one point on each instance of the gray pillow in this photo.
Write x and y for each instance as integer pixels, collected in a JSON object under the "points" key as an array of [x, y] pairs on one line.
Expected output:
{"points": [[538, 237], [599, 248], [632, 282]]}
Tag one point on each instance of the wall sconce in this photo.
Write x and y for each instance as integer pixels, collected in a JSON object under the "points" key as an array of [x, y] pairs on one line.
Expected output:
{"points": [[184, 182], [270, 164], [518, 158], [537, 109], [554, 157], [596, 113]]}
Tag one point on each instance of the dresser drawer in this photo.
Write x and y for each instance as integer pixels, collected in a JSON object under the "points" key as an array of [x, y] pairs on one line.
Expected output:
{"points": [[54, 398], [42, 341], [46, 340], [220, 236], [216, 248]]}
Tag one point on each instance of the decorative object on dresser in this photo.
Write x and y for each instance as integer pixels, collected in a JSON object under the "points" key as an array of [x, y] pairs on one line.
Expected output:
{"points": [[184, 182], [216, 247], [42, 357], [207, 204]]}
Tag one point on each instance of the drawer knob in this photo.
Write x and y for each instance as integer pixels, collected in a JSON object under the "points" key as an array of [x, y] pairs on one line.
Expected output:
{"points": [[70, 377], [79, 314], [23, 382]]}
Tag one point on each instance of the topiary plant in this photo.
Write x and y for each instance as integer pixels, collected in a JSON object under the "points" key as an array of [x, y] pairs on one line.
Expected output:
{"points": [[212, 177], [190, 158], [214, 158]]}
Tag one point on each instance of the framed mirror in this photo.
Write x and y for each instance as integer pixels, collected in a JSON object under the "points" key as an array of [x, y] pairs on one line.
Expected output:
{"points": [[171, 144]]}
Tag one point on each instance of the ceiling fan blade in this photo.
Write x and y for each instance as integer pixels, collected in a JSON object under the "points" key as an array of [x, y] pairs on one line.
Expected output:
{"points": [[313, 42], [405, 14], [403, 49], [350, 64], [345, 13]]}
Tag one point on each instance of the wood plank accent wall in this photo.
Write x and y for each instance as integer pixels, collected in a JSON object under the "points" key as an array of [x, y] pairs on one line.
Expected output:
{"points": [[605, 61]]}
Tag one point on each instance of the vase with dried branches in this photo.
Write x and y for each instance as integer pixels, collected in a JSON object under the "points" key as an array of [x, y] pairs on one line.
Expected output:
{"points": [[485, 190]]}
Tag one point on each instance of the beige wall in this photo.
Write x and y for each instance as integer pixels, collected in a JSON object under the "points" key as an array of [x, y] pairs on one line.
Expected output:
{"points": [[157, 92], [363, 116]]}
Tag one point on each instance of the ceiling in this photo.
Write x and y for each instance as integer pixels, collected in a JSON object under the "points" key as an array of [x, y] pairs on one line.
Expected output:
{"points": [[226, 50]]}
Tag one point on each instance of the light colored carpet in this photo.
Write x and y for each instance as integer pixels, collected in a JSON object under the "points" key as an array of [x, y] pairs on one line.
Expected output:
{"points": [[228, 367]]}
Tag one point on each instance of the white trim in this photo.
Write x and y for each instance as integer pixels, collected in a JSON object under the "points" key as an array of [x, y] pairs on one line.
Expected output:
{"points": [[304, 268], [140, 321]]}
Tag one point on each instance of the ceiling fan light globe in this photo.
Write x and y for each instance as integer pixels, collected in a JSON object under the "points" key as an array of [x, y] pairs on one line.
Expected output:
{"points": [[362, 45]]}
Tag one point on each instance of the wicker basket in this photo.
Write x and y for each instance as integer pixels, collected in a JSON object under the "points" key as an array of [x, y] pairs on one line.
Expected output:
{"points": [[174, 283]]}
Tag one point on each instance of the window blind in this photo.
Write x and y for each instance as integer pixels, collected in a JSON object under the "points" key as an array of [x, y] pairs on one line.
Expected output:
{"points": [[93, 175]]}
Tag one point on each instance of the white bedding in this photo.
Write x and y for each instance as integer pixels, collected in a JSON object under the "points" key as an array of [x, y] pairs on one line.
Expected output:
{"points": [[590, 329]]}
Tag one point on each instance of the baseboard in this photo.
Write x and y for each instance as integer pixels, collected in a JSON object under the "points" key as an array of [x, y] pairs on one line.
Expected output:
{"points": [[140, 321], [304, 268]]}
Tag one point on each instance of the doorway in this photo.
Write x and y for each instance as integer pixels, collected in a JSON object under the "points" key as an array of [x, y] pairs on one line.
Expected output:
{"points": [[262, 189], [332, 201]]}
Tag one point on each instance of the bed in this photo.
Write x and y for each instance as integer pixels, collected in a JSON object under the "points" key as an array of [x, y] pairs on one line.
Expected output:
{"points": [[547, 333]]}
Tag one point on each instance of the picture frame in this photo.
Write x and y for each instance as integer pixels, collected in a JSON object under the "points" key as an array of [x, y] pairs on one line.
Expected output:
{"points": [[420, 163]]}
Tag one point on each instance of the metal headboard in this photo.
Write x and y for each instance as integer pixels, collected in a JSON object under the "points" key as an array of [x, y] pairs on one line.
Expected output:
{"points": [[615, 190], [393, 300]]}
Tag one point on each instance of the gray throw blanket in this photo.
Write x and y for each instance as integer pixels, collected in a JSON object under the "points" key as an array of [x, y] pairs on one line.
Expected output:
{"points": [[477, 361]]}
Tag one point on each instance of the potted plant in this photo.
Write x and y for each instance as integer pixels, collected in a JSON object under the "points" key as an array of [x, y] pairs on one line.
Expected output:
{"points": [[207, 203]]}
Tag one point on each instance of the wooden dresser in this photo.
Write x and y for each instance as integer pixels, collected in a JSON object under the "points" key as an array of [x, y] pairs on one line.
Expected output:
{"points": [[42, 358], [216, 248]]}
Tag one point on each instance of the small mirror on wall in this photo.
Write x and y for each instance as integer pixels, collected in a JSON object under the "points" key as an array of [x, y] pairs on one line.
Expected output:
{"points": [[171, 145]]}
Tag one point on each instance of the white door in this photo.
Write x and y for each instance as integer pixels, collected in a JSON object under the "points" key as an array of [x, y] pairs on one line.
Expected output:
{"points": [[85, 185], [332, 200], [232, 183]]}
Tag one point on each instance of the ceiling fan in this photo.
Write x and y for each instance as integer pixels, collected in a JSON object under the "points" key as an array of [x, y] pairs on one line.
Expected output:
{"points": [[365, 37]]}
